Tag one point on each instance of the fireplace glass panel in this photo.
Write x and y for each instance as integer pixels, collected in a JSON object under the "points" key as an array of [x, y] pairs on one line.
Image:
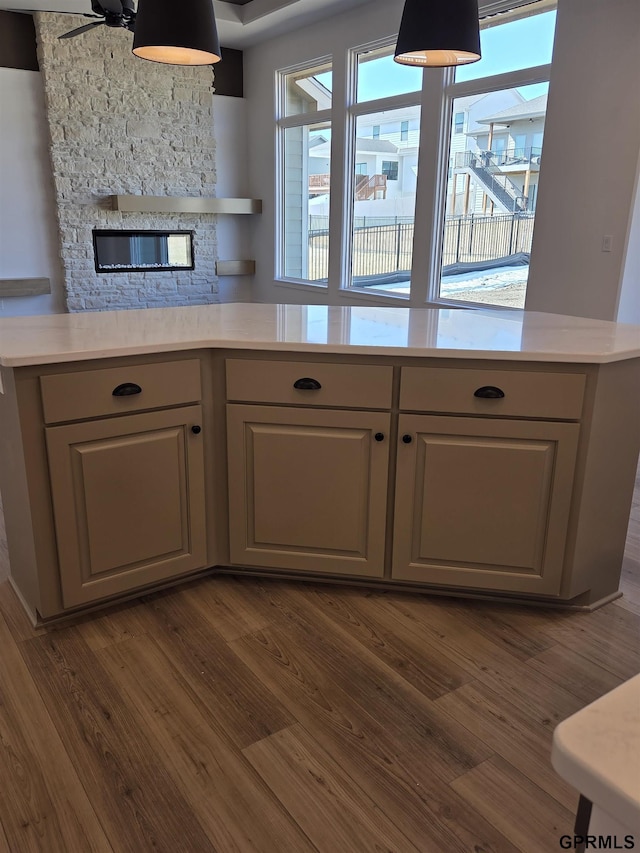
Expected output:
{"points": [[138, 251]]}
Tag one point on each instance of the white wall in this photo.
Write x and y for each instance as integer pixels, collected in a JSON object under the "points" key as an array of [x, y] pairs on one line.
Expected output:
{"points": [[629, 307], [28, 229], [591, 145], [232, 181]]}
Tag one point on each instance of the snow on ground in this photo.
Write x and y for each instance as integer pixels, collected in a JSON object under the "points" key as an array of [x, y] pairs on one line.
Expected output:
{"points": [[499, 286]]}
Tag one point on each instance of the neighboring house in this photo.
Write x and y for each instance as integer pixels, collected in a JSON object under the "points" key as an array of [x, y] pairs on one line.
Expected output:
{"points": [[386, 157], [499, 166]]}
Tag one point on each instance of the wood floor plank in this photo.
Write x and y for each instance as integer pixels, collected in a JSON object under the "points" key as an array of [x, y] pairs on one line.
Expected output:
{"points": [[226, 609], [504, 796], [610, 638], [43, 805], [505, 625], [432, 674], [512, 734], [117, 625], [398, 773], [140, 807], [247, 711], [374, 685], [15, 615], [333, 811], [575, 673], [237, 810], [449, 634]]}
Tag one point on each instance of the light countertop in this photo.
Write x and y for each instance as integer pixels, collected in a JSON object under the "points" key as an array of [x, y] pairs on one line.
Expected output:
{"points": [[597, 751], [442, 332]]}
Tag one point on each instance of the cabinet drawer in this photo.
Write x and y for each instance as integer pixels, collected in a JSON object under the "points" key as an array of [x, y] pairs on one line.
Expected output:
{"points": [[90, 393], [351, 385], [526, 394]]}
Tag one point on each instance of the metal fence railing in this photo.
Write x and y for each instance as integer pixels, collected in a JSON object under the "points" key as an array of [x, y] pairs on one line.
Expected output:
{"points": [[387, 247], [475, 239]]}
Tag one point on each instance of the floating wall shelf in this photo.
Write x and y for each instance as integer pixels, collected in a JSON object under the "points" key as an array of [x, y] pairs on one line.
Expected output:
{"points": [[235, 267], [24, 287], [173, 204]]}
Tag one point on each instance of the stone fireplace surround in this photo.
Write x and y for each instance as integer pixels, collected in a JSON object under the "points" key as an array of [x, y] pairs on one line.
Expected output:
{"points": [[121, 125]]}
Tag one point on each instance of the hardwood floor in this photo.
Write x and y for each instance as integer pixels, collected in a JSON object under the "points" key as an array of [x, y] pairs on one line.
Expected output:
{"points": [[241, 715]]}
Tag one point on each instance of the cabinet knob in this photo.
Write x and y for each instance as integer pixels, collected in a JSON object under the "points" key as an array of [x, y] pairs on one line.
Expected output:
{"points": [[307, 384], [127, 389], [489, 392], [196, 430], [379, 436], [407, 439]]}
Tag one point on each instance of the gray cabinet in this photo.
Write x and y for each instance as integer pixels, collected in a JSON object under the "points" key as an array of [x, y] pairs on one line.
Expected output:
{"points": [[128, 501], [308, 489], [483, 503]]}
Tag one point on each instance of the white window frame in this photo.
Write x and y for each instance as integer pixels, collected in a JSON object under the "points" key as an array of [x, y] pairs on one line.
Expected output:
{"points": [[283, 123], [356, 110], [483, 85]]}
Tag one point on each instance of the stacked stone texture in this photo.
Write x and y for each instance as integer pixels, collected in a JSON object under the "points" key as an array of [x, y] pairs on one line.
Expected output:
{"points": [[120, 125]]}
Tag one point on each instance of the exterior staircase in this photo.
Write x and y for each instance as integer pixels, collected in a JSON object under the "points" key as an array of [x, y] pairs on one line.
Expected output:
{"points": [[497, 186], [370, 186]]}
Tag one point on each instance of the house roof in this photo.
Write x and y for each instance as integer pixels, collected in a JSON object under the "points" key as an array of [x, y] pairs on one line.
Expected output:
{"points": [[364, 145], [377, 146], [535, 108]]}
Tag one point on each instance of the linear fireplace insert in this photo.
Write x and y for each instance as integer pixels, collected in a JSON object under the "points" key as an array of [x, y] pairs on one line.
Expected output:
{"points": [[142, 251]]}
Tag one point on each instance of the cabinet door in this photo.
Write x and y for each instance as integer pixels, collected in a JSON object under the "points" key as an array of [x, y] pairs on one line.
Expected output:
{"points": [[128, 499], [308, 489], [483, 503]]}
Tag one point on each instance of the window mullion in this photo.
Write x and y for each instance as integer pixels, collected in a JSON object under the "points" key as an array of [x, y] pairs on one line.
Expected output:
{"points": [[408, 99], [431, 188], [338, 249], [508, 80], [303, 119]]}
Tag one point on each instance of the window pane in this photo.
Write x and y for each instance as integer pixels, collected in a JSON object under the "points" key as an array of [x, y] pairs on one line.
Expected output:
{"points": [[491, 195], [522, 43], [380, 77], [306, 173], [308, 91], [384, 199]]}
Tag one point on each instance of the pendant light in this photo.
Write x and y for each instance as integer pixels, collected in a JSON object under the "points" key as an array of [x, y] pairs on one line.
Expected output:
{"points": [[439, 33], [177, 33]]}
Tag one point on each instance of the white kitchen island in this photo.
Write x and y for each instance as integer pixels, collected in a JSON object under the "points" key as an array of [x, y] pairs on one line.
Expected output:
{"points": [[482, 453]]}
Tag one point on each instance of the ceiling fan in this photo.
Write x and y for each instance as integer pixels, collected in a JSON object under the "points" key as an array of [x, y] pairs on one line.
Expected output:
{"points": [[114, 13]]}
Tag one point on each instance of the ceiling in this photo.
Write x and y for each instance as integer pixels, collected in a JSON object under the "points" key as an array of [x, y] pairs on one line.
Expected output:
{"points": [[241, 23]]}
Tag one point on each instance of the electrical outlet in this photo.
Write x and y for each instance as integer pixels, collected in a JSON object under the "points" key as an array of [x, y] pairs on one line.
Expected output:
{"points": [[607, 243]]}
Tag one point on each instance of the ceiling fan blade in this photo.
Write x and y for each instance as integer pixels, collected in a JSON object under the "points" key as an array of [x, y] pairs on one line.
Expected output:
{"points": [[80, 30], [56, 12]]}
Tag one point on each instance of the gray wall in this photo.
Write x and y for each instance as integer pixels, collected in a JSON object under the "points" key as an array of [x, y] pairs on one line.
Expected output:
{"points": [[28, 229]]}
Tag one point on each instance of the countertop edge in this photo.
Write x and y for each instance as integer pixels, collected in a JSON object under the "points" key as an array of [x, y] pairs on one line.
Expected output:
{"points": [[337, 349]]}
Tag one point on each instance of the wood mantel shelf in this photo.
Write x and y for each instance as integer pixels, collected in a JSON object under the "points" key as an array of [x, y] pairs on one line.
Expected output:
{"points": [[189, 204]]}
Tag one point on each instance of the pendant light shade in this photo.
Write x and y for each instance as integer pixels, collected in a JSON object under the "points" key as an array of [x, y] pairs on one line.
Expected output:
{"points": [[439, 33], [177, 32]]}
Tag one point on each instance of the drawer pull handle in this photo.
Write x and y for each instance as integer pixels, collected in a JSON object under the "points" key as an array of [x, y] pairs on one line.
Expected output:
{"points": [[196, 430], [127, 389], [407, 439], [379, 436], [306, 384], [489, 392]]}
